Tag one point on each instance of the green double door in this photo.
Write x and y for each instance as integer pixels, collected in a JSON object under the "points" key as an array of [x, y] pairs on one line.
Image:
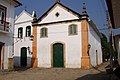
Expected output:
{"points": [[58, 55], [23, 57]]}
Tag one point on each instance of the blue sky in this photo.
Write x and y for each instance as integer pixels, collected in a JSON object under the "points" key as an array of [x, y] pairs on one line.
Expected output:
{"points": [[95, 8]]}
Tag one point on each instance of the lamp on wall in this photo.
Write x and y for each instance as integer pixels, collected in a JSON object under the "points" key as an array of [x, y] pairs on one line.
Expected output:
{"points": [[31, 37], [89, 46], [30, 52]]}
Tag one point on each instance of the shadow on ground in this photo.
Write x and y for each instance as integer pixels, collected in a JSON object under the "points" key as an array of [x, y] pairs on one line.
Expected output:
{"points": [[20, 69], [98, 76], [101, 75]]}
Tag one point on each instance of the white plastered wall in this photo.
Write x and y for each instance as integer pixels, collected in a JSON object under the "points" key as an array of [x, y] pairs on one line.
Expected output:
{"points": [[23, 20], [95, 42], [59, 33], [7, 38]]}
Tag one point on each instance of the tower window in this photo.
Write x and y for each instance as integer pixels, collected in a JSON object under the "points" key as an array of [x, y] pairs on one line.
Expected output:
{"points": [[20, 32], [28, 31]]}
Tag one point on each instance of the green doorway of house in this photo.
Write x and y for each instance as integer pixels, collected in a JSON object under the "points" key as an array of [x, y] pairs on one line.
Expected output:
{"points": [[23, 57], [0, 55], [58, 55]]}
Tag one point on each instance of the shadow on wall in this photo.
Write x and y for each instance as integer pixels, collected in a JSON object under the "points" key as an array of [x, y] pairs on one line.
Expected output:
{"points": [[17, 61]]}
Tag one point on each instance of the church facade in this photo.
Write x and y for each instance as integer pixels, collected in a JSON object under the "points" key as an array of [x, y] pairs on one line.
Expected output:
{"points": [[64, 38]]}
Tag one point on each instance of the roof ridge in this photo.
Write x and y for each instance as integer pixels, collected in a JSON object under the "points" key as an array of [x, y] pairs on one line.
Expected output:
{"points": [[57, 3]]}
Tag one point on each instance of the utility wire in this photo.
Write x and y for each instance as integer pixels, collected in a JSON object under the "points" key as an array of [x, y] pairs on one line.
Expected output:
{"points": [[103, 5]]}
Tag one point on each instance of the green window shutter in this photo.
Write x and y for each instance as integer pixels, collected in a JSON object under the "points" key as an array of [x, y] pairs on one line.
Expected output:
{"points": [[74, 30], [21, 33], [18, 33]]}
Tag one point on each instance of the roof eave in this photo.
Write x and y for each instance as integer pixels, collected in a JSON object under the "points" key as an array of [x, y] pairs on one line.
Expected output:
{"points": [[17, 3], [95, 28], [110, 10]]}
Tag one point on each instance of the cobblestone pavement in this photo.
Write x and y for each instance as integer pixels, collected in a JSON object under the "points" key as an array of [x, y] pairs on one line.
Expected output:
{"points": [[97, 73]]}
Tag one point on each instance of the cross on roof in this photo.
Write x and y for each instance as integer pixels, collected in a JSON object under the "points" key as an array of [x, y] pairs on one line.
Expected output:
{"points": [[57, 0]]}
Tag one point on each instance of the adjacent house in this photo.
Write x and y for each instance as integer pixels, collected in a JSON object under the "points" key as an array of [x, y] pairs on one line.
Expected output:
{"points": [[7, 9], [23, 44], [65, 38], [117, 45], [114, 12]]}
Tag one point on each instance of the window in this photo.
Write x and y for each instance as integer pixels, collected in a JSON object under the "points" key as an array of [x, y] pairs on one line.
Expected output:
{"points": [[57, 14], [73, 29], [28, 31], [43, 32], [20, 32], [2, 14]]}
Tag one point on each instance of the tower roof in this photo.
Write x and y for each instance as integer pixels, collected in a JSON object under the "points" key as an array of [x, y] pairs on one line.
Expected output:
{"points": [[84, 11]]}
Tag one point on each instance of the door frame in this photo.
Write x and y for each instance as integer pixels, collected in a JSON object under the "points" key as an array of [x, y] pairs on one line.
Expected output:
{"points": [[64, 53], [2, 55], [96, 57]]}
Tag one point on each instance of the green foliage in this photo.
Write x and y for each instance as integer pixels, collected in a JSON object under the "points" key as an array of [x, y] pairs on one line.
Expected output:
{"points": [[104, 43], [105, 46]]}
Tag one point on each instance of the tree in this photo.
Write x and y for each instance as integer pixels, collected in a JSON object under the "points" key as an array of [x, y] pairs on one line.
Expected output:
{"points": [[105, 47]]}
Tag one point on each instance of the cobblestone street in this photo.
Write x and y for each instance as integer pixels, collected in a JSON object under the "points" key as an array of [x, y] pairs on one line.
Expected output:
{"points": [[97, 73]]}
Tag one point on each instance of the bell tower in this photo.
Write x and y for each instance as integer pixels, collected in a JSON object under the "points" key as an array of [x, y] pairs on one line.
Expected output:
{"points": [[85, 60]]}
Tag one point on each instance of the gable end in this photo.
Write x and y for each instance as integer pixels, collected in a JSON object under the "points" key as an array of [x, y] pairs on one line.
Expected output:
{"points": [[61, 5]]}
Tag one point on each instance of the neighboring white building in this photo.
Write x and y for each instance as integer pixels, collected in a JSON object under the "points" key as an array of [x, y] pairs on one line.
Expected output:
{"points": [[64, 38], [23, 44], [7, 9]]}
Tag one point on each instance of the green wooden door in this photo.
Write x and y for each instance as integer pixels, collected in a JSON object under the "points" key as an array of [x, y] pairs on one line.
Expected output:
{"points": [[58, 57], [23, 57]]}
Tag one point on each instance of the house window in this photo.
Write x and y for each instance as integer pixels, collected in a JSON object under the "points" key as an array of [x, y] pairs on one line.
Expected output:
{"points": [[20, 32], [72, 29], [43, 32], [28, 31], [2, 14]]}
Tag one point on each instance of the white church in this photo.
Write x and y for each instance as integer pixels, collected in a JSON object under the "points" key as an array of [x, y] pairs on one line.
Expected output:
{"points": [[61, 38]]}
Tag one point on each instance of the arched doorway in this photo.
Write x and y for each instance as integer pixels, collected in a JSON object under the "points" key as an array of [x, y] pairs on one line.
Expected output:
{"points": [[58, 55], [23, 57]]}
